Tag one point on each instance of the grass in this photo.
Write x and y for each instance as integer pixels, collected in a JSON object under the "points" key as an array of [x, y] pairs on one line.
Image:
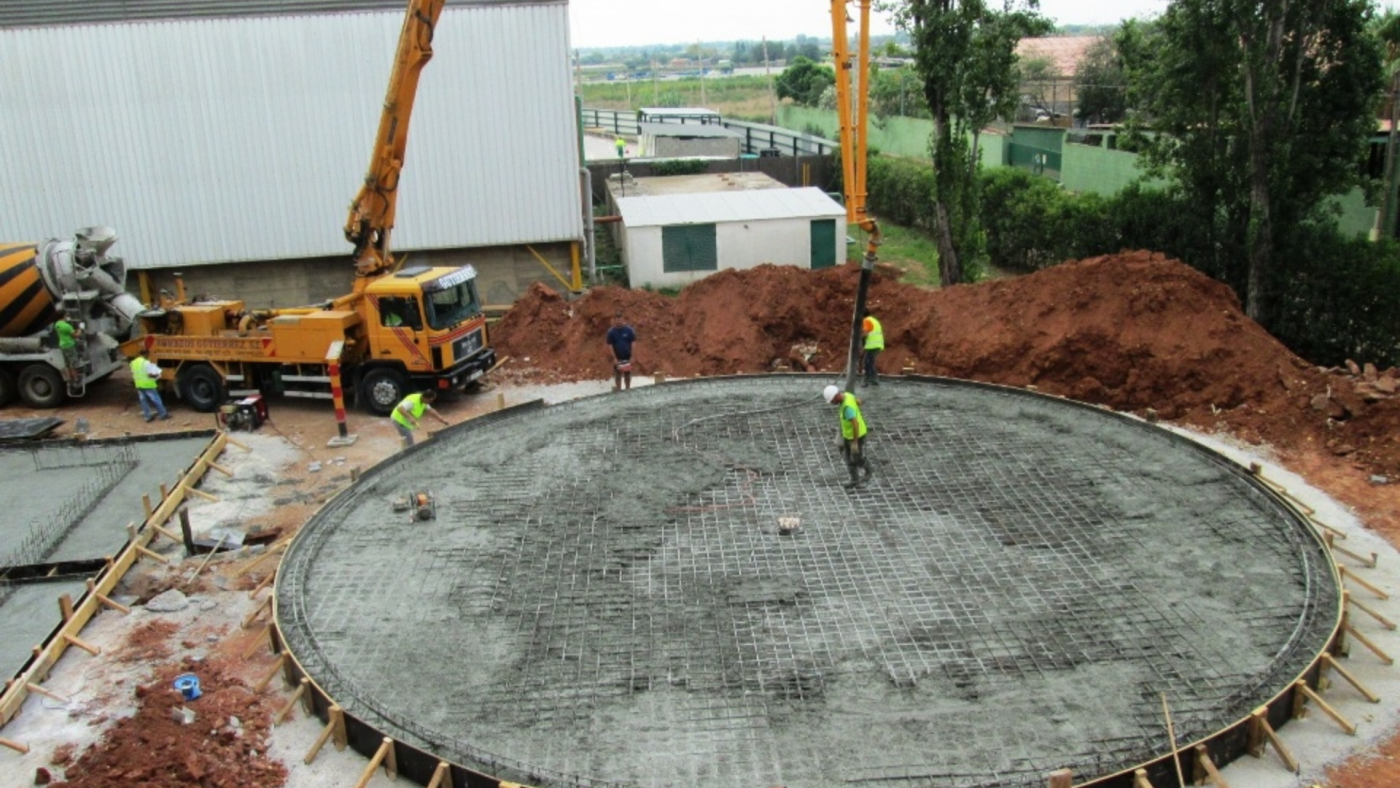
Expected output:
{"points": [[909, 249], [742, 98]]}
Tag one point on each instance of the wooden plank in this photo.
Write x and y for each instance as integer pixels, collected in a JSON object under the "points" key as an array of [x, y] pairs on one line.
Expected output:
{"points": [[1262, 733], [1336, 716], [291, 702], [1204, 762], [337, 718], [47, 656], [384, 755], [1060, 778], [278, 666], [1329, 662], [1140, 779], [442, 776], [1365, 641]]}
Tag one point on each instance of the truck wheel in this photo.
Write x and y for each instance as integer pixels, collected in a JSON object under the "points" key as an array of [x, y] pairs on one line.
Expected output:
{"points": [[202, 388], [381, 389], [40, 386], [7, 387]]}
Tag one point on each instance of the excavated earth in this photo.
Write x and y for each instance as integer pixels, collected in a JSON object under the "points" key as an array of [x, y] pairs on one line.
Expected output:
{"points": [[1135, 331]]}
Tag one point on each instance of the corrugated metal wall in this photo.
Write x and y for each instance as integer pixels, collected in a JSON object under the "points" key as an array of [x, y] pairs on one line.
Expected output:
{"points": [[218, 140]]}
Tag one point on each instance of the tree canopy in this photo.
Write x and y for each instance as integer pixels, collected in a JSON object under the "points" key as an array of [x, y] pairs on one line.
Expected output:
{"points": [[1259, 111], [804, 81]]}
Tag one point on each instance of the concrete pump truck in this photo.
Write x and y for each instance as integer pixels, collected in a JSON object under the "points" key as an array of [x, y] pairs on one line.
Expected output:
{"points": [[399, 329]]}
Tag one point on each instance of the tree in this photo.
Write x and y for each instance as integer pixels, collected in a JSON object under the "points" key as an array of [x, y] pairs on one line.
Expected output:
{"points": [[1261, 110], [1387, 30], [897, 91], [965, 53], [1099, 83], [804, 81]]}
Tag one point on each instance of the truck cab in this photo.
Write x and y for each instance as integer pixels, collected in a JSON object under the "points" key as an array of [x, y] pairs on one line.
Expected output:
{"points": [[425, 329]]}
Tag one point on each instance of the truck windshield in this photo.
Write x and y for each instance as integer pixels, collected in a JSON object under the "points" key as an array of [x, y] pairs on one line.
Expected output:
{"points": [[451, 305]]}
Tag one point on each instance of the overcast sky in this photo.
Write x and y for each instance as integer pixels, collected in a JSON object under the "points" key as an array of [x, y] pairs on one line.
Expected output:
{"points": [[609, 23]]}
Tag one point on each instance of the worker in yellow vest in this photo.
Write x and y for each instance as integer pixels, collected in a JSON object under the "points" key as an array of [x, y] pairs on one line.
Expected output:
{"points": [[853, 433], [874, 335], [145, 374], [410, 410]]}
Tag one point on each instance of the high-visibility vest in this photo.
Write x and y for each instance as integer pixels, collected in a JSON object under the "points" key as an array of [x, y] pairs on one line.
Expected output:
{"points": [[416, 403], [874, 334], [851, 428], [140, 375]]}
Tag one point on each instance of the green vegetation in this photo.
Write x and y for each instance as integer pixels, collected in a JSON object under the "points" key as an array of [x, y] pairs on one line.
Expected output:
{"points": [[909, 249], [737, 97]]}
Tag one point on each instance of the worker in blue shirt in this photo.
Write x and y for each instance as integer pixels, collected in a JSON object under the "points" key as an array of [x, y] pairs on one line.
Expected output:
{"points": [[620, 339]]}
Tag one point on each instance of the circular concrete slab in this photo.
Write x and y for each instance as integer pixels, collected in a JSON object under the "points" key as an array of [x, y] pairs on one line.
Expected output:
{"points": [[612, 594]]}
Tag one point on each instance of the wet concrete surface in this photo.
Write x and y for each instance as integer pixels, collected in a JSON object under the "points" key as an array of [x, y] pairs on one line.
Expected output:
{"points": [[605, 597]]}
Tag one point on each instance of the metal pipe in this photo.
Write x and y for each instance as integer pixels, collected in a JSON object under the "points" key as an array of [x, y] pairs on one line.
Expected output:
{"points": [[590, 233]]}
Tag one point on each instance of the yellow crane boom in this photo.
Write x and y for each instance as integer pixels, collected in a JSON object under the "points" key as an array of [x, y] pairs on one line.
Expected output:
{"points": [[372, 213]]}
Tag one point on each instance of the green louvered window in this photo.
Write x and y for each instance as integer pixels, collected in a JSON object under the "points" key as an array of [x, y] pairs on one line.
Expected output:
{"points": [[823, 243], [688, 247]]}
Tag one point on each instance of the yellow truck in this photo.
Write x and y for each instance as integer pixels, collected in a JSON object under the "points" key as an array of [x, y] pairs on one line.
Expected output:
{"points": [[400, 329]]}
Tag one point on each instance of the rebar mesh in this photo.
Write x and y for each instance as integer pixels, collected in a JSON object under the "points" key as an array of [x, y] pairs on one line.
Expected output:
{"points": [[606, 598]]}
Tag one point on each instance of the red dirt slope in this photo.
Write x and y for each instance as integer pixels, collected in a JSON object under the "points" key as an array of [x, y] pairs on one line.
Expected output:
{"points": [[1134, 331]]}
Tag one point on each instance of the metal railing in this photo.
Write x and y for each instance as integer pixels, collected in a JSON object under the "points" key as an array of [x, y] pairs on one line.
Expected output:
{"points": [[758, 138]]}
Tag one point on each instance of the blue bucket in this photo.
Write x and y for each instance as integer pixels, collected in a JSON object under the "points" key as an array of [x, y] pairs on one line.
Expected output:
{"points": [[188, 685]]}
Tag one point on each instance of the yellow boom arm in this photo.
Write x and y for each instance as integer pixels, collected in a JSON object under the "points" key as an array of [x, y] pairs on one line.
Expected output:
{"points": [[372, 213]]}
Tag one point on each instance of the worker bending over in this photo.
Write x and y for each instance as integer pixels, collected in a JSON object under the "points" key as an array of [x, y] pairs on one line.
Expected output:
{"points": [[410, 411], [853, 432]]}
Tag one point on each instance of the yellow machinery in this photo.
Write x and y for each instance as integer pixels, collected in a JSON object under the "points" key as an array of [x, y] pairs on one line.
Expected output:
{"points": [[396, 331], [853, 152]]}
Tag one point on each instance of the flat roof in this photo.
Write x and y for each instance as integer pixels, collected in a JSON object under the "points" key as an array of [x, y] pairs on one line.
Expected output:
{"points": [[688, 130], [736, 206]]}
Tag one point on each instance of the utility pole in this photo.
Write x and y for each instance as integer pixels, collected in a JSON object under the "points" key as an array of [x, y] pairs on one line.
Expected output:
{"points": [[772, 94], [701, 51]]}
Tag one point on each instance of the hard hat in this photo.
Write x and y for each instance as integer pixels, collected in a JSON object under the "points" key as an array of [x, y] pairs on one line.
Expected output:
{"points": [[830, 393]]}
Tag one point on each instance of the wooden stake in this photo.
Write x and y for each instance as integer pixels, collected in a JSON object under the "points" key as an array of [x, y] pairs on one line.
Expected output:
{"points": [[257, 611], [1385, 622], [220, 469], [1302, 687], [207, 558], [1261, 734], [277, 666], [1171, 734], [92, 589], [385, 755], [1061, 778], [266, 581], [1330, 539], [337, 720], [262, 633], [1329, 663], [202, 494], [277, 547], [158, 531], [292, 701], [65, 606], [85, 646], [1363, 640], [442, 776], [146, 504], [229, 439], [32, 687], [1346, 573], [14, 745], [1140, 779], [164, 491], [151, 554], [1204, 763]]}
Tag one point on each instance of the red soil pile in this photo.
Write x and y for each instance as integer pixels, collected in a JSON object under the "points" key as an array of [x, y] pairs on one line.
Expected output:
{"points": [[151, 749], [1134, 331]]}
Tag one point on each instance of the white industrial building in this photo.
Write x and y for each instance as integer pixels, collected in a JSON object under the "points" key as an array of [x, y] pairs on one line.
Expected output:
{"points": [[671, 240], [226, 138]]}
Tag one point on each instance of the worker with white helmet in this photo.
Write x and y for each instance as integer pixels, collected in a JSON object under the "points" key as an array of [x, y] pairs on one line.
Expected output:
{"points": [[853, 432]]}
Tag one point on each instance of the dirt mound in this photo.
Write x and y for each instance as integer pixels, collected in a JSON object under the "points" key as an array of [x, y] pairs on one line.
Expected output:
{"points": [[1134, 331], [224, 747]]}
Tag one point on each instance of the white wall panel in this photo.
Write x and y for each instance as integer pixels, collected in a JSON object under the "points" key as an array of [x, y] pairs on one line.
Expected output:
{"points": [[206, 141]]}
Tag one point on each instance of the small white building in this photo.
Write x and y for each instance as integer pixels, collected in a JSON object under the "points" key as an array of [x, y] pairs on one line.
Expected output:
{"points": [[671, 240], [678, 140]]}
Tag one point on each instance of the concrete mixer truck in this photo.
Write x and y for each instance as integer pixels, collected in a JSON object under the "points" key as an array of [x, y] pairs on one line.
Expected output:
{"points": [[73, 278]]}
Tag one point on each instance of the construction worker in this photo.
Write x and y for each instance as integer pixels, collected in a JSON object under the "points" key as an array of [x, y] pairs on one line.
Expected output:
{"points": [[874, 335], [621, 146], [145, 374], [853, 432], [68, 343], [620, 339], [410, 411]]}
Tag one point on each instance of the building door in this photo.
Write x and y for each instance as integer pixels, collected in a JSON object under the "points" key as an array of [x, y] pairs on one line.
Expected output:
{"points": [[823, 243]]}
